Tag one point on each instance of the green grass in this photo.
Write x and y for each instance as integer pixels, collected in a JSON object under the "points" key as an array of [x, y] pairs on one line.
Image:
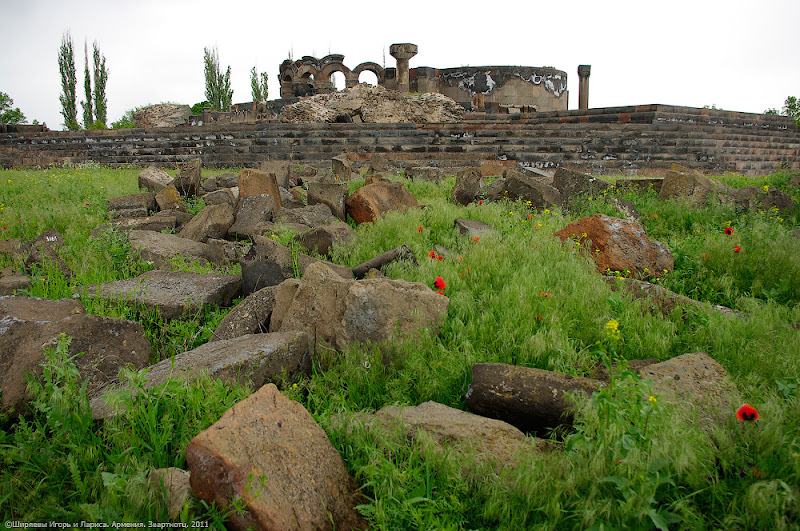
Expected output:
{"points": [[628, 465]]}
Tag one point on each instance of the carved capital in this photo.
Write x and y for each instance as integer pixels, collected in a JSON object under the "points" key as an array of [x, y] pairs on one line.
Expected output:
{"points": [[584, 71]]}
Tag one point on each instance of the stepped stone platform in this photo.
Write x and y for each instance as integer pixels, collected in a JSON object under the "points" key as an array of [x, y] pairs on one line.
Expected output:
{"points": [[615, 140]]}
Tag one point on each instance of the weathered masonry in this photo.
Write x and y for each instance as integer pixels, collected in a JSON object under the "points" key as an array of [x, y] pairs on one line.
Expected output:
{"points": [[477, 88], [606, 140]]}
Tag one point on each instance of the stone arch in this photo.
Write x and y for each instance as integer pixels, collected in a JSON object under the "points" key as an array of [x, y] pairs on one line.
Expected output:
{"points": [[371, 67], [305, 74]]}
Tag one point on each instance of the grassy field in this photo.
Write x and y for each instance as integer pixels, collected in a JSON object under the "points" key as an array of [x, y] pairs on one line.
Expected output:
{"points": [[629, 464]]}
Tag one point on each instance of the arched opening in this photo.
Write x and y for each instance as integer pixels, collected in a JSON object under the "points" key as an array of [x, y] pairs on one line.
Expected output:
{"points": [[307, 77], [287, 78], [369, 77], [338, 80]]}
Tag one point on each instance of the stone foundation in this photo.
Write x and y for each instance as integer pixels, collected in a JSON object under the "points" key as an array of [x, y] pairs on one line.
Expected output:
{"points": [[609, 140]]}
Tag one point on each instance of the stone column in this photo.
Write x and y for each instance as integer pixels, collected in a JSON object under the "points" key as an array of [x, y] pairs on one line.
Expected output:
{"points": [[583, 88], [403, 52]]}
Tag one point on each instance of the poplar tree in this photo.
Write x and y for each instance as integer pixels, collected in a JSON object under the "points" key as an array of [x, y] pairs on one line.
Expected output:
{"points": [[66, 67], [218, 87], [88, 112], [100, 79], [258, 85]]}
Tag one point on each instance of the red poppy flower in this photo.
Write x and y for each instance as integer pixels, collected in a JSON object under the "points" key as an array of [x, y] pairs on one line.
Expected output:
{"points": [[419, 229], [530, 216], [545, 294], [476, 238], [728, 231], [439, 283], [439, 292], [86, 204], [747, 412], [705, 256], [4, 228], [737, 249], [20, 220], [480, 202], [432, 254], [440, 258]]}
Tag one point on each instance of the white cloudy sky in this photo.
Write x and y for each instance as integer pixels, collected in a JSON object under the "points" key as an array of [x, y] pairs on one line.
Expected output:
{"points": [[737, 54]]}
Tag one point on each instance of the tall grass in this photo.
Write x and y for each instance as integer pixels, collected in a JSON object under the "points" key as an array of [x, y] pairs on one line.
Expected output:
{"points": [[519, 296]]}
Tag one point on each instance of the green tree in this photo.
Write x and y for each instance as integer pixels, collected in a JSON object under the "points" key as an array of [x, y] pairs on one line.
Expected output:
{"points": [[100, 79], [66, 67], [258, 85], [88, 112], [218, 87], [8, 114], [791, 108]]}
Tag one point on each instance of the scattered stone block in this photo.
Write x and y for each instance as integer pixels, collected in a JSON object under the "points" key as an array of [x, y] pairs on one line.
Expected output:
{"points": [[211, 222], [254, 182], [373, 201], [187, 181], [525, 188], [222, 196], [170, 293], [159, 249], [28, 325], [341, 167], [474, 228], [315, 215], [222, 252], [251, 316], [269, 263], [280, 169], [154, 179], [321, 239], [334, 195], [168, 198], [623, 246], [173, 484], [11, 281], [425, 173], [132, 205], [468, 185], [572, 184], [270, 444]]}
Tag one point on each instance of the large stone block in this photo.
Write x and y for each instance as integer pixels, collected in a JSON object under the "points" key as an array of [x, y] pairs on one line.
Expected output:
{"points": [[373, 201], [271, 445], [255, 182]]}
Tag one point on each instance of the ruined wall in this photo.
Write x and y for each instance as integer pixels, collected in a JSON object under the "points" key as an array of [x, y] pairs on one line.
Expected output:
{"points": [[542, 88], [610, 140]]}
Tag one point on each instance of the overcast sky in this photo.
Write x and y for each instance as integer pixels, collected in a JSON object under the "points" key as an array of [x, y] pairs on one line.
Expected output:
{"points": [[738, 55]]}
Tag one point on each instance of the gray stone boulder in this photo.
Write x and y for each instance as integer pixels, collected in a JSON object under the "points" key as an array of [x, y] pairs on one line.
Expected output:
{"points": [[751, 198], [154, 179], [309, 215], [341, 167], [28, 325], [334, 195], [698, 382], [170, 293], [455, 430], [151, 223], [281, 170], [252, 211], [44, 252], [525, 188], [159, 249], [211, 222], [271, 445], [425, 173], [572, 184], [533, 400], [694, 188], [228, 196], [187, 180], [269, 263], [320, 240], [226, 180], [250, 316], [224, 252], [132, 205], [344, 312], [468, 185], [251, 360], [474, 228]]}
